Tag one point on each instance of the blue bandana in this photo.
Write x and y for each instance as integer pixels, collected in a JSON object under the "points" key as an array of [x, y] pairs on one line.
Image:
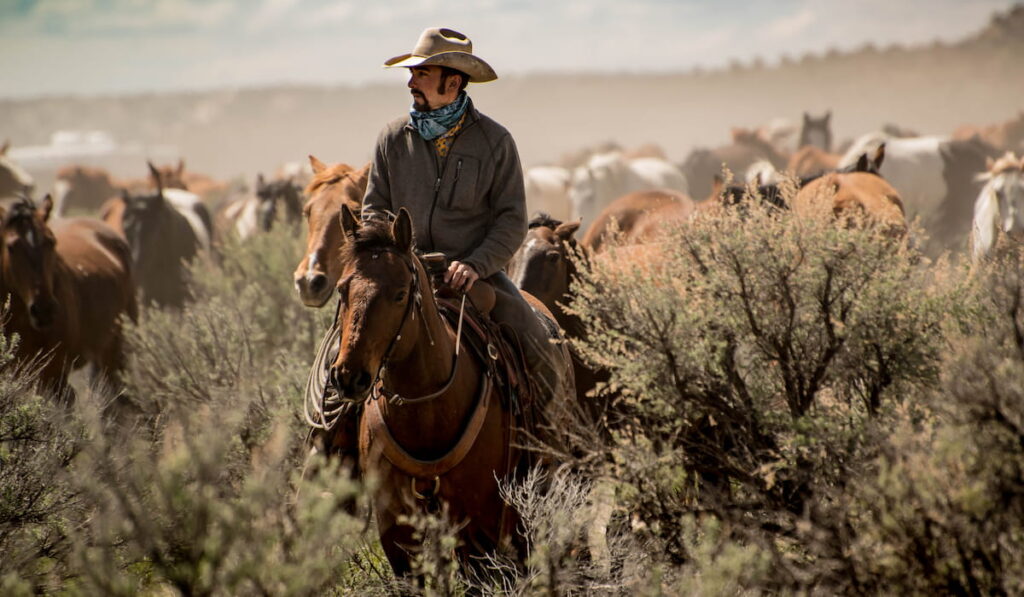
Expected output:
{"points": [[433, 124]]}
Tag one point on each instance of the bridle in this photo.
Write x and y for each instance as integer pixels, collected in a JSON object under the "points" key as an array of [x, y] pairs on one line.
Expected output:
{"points": [[415, 298]]}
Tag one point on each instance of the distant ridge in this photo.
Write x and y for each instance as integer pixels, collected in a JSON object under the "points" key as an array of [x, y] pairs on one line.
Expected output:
{"points": [[1004, 28]]}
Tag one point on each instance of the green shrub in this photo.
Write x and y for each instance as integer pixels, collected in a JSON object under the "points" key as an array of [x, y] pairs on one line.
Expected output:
{"points": [[757, 359]]}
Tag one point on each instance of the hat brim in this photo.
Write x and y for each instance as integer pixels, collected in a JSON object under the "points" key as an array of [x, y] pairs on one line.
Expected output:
{"points": [[477, 70]]}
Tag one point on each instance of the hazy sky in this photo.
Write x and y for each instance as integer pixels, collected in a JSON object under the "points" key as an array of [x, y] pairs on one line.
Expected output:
{"points": [[109, 46]]}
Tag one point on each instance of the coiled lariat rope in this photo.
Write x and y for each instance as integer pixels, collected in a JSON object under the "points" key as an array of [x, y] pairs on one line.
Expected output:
{"points": [[323, 405]]}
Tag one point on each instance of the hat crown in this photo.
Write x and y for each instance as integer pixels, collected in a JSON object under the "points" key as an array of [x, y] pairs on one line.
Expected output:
{"points": [[440, 39]]}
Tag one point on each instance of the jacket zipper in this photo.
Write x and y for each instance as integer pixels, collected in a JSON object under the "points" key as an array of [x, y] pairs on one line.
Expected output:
{"points": [[455, 183], [441, 168]]}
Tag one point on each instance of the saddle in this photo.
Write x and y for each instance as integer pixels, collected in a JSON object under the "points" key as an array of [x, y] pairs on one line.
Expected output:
{"points": [[497, 346]]}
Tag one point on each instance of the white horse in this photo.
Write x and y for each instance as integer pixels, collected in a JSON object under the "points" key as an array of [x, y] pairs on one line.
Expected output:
{"points": [[606, 177], [936, 178], [1000, 205], [547, 190], [13, 178]]}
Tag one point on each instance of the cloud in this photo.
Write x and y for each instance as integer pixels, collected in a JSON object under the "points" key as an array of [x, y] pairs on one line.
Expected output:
{"points": [[790, 25], [206, 43]]}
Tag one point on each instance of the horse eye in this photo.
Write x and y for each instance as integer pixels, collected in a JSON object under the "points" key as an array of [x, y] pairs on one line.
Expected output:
{"points": [[400, 296]]}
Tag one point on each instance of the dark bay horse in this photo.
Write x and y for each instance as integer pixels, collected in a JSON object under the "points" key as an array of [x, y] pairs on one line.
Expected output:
{"points": [[165, 229], [331, 188], [450, 438], [70, 287], [545, 266]]}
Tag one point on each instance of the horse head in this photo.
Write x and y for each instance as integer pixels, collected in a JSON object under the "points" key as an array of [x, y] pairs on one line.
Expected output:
{"points": [[270, 194], [168, 177], [1000, 206], [380, 286], [29, 259], [144, 214], [817, 132], [332, 187], [543, 265]]}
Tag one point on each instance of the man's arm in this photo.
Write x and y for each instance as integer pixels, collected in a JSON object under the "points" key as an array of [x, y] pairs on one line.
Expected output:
{"points": [[377, 200], [508, 212]]}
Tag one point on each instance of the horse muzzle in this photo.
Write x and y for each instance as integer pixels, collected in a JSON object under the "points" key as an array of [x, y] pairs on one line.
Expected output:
{"points": [[42, 314], [314, 289], [351, 384]]}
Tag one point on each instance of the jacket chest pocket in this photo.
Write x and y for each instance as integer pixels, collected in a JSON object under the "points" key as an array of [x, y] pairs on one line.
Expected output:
{"points": [[463, 174]]}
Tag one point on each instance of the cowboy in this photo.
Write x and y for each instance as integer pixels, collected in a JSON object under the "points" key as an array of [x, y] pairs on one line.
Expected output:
{"points": [[457, 172]]}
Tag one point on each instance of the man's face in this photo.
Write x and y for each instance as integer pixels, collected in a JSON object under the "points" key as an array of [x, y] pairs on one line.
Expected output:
{"points": [[427, 89]]}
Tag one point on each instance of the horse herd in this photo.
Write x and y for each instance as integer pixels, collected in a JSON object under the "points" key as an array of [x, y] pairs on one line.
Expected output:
{"points": [[72, 279]]}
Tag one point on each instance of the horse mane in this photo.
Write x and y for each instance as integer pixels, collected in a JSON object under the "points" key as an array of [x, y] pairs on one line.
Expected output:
{"points": [[373, 234], [20, 208], [328, 176], [543, 220]]}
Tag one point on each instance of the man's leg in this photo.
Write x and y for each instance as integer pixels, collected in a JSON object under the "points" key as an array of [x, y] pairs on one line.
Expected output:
{"points": [[544, 355]]}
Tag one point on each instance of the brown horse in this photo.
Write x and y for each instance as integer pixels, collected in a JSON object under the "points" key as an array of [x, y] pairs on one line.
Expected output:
{"points": [[1004, 136], [70, 287], [434, 430], [810, 160], [544, 266], [856, 198], [331, 188], [84, 190], [165, 230], [634, 217]]}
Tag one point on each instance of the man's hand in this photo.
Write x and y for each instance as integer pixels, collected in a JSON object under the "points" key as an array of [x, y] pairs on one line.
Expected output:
{"points": [[460, 276]]}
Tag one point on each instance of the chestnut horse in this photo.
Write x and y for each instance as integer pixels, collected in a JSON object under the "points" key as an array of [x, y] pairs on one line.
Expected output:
{"points": [[858, 196], [434, 430], [634, 216], [84, 190], [331, 188], [70, 287]]}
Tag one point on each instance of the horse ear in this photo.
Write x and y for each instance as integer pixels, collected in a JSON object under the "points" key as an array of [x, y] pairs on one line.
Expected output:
{"points": [[828, 116], [879, 157], [862, 163], [5, 147], [155, 175], [181, 166], [402, 230], [807, 117], [45, 207], [317, 165], [349, 222], [566, 230], [260, 183]]}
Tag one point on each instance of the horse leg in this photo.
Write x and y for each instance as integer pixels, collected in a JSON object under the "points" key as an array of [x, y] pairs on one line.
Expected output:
{"points": [[398, 544]]}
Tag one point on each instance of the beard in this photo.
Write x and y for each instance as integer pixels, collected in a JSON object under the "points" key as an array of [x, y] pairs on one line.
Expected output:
{"points": [[419, 102]]}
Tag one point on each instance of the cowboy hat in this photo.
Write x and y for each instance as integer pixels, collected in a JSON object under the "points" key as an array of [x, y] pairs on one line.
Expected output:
{"points": [[439, 46]]}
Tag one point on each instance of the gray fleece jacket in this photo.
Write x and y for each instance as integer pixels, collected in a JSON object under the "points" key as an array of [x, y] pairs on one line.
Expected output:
{"points": [[471, 205]]}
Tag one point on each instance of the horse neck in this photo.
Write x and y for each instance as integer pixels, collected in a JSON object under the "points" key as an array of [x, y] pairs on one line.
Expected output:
{"points": [[433, 424]]}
